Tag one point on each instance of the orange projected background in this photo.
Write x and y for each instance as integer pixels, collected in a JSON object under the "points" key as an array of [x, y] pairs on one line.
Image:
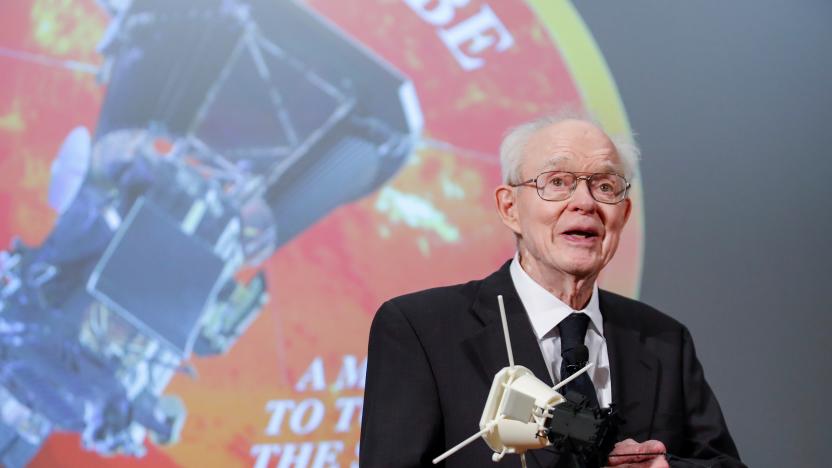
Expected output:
{"points": [[291, 385]]}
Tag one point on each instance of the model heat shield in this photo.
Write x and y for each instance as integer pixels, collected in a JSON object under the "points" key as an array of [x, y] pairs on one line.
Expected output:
{"points": [[583, 433]]}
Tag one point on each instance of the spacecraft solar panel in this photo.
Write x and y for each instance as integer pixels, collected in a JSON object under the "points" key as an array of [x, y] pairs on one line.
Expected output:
{"points": [[157, 277]]}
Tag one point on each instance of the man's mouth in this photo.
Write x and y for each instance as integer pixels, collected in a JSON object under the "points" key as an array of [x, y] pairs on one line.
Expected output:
{"points": [[586, 234]]}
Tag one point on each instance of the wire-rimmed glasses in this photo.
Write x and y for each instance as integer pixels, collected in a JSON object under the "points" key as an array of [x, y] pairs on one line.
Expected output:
{"points": [[559, 185]]}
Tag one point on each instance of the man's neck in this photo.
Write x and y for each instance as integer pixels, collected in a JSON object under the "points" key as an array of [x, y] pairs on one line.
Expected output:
{"points": [[573, 291]]}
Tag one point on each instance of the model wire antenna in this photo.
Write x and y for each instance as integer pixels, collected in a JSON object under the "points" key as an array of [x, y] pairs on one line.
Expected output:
{"points": [[505, 330], [510, 362], [459, 446], [572, 377]]}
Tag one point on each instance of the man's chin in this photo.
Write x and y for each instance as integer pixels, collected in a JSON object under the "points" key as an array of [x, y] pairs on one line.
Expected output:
{"points": [[581, 269]]}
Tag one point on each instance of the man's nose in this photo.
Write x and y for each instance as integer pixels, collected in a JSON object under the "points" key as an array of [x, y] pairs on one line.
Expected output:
{"points": [[582, 197]]}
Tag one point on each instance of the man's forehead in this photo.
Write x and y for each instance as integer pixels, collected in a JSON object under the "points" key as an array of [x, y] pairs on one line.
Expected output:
{"points": [[576, 134], [568, 143]]}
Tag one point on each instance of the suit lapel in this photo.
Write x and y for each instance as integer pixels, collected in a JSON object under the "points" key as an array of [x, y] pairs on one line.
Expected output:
{"points": [[486, 347], [633, 369], [487, 350]]}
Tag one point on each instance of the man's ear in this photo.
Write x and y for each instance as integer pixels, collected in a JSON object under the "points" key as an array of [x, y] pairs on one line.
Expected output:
{"points": [[505, 196], [628, 208]]}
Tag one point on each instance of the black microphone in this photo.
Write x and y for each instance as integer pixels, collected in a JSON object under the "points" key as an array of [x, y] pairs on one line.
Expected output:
{"points": [[576, 358]]}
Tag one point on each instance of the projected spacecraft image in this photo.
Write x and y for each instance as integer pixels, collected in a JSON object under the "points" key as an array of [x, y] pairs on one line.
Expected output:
{"points": [[204, 202], [171, 197]]}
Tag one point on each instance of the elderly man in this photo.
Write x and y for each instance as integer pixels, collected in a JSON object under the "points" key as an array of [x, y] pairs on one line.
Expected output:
{"points": [[433, 354]]}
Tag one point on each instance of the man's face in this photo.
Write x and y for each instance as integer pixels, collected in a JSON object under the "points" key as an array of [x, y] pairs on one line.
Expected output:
{"points": [[575, 237]]}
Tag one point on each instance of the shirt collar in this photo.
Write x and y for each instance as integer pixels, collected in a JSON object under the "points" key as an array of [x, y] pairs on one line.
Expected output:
{"points": [[545, 310]]}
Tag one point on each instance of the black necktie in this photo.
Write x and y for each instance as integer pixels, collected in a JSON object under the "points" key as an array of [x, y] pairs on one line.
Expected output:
{"points": [[575, 355]]}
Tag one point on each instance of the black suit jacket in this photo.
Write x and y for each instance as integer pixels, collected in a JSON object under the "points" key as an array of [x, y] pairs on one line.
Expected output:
{"points": [[433, 354]]}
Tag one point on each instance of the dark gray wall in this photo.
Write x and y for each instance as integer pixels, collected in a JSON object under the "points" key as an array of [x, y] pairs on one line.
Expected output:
{"points": [[733, 107]]}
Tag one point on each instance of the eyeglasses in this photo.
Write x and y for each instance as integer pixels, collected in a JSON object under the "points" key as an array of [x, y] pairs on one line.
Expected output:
{"points": [[560, 185]]}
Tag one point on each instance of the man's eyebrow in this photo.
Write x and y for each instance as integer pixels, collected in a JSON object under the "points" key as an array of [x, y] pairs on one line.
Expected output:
{"points": [[611, 168], [555, 160]]}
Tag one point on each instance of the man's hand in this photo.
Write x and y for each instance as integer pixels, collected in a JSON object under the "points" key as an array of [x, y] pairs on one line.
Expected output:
{"points": [[632, 458]]}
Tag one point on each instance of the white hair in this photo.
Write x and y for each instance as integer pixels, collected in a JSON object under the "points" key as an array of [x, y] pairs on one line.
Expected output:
{"points": [[514, 144]]}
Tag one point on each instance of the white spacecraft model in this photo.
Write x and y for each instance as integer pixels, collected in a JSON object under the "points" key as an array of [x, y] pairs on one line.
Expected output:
{"points": [[518, 412]]}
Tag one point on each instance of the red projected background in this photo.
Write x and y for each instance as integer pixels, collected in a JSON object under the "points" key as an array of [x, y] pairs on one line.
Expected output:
{"points": [[290, 388]]}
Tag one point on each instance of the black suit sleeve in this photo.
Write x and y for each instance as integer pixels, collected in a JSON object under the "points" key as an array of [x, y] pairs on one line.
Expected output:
{"points": [[707, 441], [401, 422]]}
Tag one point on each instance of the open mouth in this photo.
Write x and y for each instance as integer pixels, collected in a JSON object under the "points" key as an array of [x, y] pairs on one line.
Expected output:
{"points": [[585, 234]]}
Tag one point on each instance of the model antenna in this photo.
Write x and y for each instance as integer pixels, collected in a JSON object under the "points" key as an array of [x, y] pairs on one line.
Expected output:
{"points": [[572, 377], [467, 441], [505, 330]]}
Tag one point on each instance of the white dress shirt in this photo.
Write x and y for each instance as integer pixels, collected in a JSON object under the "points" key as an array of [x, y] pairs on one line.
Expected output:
{"points": [[545, 313]]}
